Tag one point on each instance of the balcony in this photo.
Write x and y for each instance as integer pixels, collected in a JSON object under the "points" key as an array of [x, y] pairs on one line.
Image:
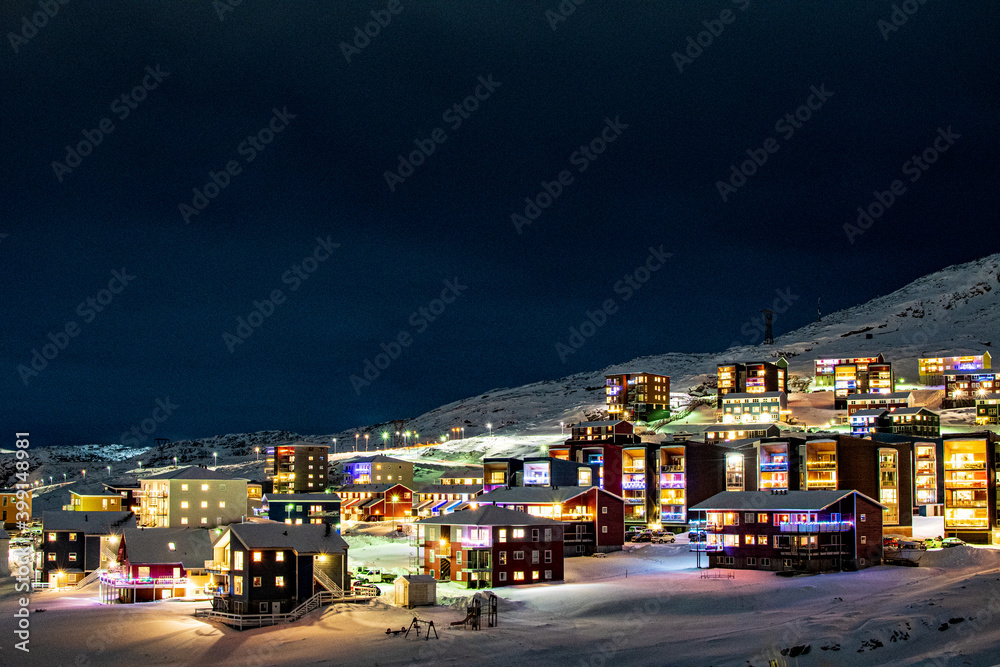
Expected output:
{"points": [[821, 465], [678, 467], [633, 470], [774, 467], [816, 527], [217, 566], [635, 501], [672, 516], [968, 503]]}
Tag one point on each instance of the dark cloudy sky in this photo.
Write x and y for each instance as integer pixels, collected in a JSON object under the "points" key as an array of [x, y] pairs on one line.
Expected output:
{"points": [[323, 176]]}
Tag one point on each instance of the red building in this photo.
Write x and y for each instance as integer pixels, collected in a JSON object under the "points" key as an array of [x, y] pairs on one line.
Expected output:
{"points": [[158, 563], [375, 502], [813, 531], [890, 401], [490, 547], [594, 518]]}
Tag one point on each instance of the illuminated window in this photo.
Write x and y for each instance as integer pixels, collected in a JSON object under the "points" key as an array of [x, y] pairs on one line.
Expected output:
{"points": [[204, 520], [279, 556], [204, 487], [184, 487], [184, 520], [72, 537], [238, 585], [52, 556], [503, 535], [749, 539], [52, 537], [503, 557], [519, 576], [762, 540], [184, 504], [256, 582], [518, 533], [171, 546], [204, 504], [72, 557], [257, 556], [279, 581]]}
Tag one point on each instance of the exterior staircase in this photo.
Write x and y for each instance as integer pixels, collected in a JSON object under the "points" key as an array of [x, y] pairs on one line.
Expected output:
{"points": [[90, 578], [328, 583]]}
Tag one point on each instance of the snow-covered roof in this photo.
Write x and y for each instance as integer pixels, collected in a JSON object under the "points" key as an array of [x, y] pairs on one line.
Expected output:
{"points": [[192, 546], [462, 472], [488, 515], [369, 488], [533, 494], [89, 523], [993, 397], [192, 472], [766, 394], [908, 411], [767, 501], [610, 422], [977, 371], [376, 458], [896, 395], [873, 412], [311, 538], [451, 488]]}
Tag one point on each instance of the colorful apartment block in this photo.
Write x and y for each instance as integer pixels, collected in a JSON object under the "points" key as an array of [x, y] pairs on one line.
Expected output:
{"points": [[869, 401], [688, 473], [452, 491], [376, 502], [932, 369], [302, 508], [156, 564], [732, 432], [489, 547], [752, 377], [74, 544], [962, 388], [594, 519], [757, 408], [826, 376], [297, 467], [191, 496], [637, 396], [792, 531], [971, 462], [378, 469]]}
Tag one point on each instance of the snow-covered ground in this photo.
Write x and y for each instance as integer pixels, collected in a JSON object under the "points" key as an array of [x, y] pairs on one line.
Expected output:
{"points": [[644, 606]]}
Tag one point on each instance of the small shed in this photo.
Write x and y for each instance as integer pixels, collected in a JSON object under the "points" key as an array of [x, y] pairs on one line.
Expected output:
{"points": [[416, 590]]}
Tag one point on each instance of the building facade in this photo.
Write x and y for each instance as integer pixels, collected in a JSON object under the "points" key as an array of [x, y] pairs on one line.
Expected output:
{"points": [[8, 506], [378, 469], [988, 409], [191, 496], [803, 531], [753, 377], [826, 376], [302, 508], [75, 544], [490, 547], [899, 399], [376, 502], [932, 369], [637, 396], [757, 408], [98, 502], [298, 467], [962, 388]]}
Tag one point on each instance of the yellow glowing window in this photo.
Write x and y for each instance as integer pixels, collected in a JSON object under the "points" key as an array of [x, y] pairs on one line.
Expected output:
{"points": [[279, 556], [257, 556], [184, 504], [204, 487]]}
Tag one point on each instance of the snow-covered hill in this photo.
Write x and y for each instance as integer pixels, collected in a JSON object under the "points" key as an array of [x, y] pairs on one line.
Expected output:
{"points": [[953, 311]]}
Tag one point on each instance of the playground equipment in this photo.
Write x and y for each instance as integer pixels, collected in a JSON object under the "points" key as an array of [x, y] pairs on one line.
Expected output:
{"points": [[415, 625], [474, 613]]}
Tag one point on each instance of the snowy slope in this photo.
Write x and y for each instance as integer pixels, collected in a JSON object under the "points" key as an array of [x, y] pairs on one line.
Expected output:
{"points": [[952, 311]]}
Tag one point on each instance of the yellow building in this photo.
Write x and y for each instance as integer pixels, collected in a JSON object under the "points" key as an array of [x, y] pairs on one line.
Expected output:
{"points": [[8, 506], [96, 502]]}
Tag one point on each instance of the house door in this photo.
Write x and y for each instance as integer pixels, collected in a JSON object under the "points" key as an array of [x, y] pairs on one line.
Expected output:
{"points": [[177, 573], [275, 607], [445, 568]]}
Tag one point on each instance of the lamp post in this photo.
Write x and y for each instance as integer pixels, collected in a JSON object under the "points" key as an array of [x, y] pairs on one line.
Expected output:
{"points": [[256, 453], [562, 428], [334, 445], [215, 455], [396, 441], [463, 433], [395, 499], [64, 477], [385, 436], [356, 442], [140, 466], [490, 427], [84, 475], [366, 442], [109, 471], [175, 461]]}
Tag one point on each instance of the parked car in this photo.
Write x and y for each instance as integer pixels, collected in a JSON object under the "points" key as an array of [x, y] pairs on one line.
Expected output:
{"points": [[951, 542], [631, 531], [933, 542], [665, 537], [365, 590], [642, 537]]}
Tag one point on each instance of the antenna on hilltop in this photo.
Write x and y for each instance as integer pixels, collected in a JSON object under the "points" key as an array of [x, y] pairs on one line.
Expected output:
{"points": [[819, 311], [768, 331]]}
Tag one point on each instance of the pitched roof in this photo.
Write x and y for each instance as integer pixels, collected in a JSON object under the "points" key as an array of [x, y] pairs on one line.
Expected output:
{"points": [[368, 488], [767, 501], [977, 371], [192, 472], [307, 538], [192, 546], [871, 412], [89, 523], [451, 488], [3, 534], [376, 458], [286, 497], [609, 422], [533, 494], [909, 411], [988, 396], [872, 397], [462, 472], [488, 515]]}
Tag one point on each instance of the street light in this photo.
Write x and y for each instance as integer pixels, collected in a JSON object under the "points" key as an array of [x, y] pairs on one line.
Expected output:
{"points": [[64, 477], [109, 471], [385, 436], [175, 461], [490, 427], [356, 442], [334, 445], [562, 427], [84, 475], [215, 455], [395, 499], [256, 453]]}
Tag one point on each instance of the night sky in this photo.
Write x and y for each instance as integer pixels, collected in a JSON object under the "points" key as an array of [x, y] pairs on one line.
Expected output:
{"points": [[309, 121]]}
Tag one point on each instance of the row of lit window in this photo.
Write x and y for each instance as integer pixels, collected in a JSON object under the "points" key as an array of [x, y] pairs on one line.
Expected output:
{"points": [[204, 504]]}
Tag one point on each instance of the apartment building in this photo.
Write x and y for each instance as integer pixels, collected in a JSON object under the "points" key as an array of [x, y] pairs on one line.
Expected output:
{"points": [[297, 467], [191, 496], [752, 377], [637, 396]]}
